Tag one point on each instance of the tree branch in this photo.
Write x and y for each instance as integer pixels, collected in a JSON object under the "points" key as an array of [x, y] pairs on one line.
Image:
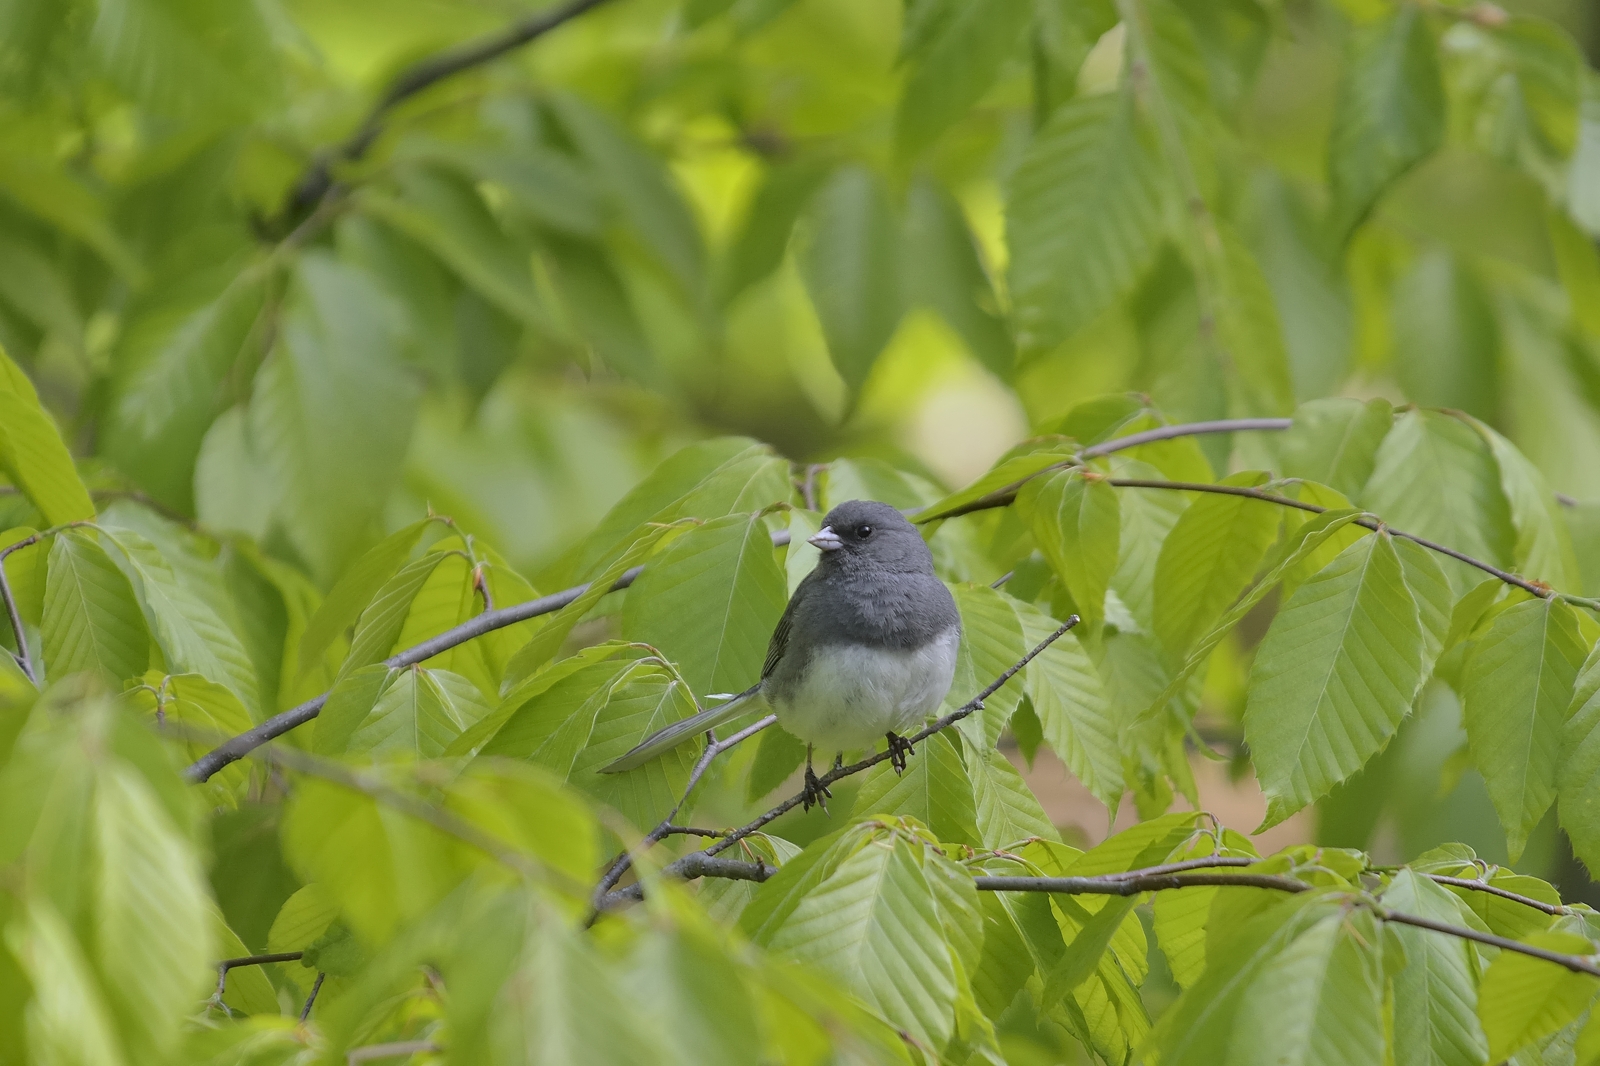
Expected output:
{"points": [[15, 618], [318, 180]]}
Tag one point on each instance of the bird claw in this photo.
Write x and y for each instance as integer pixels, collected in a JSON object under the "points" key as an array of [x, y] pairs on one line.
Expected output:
{"points": [[816, 793], [899, 748]]}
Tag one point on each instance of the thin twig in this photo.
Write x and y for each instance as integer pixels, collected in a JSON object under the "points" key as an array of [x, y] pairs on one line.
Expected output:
{"points": [[1540, 590], [316, 986], [655, 836], [15, 617], [247, 960], [318, 181], [1494, 890], [1575, 963], [1133, 883]]}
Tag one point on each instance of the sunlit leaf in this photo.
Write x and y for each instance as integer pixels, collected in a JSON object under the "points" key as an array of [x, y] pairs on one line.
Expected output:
{"points": [[1075, 518], [91, 620], [32, 454], [1523, 999]]}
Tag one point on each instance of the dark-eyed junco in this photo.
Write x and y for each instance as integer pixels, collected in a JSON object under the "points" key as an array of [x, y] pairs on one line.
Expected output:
{"points": [[865, 649]]}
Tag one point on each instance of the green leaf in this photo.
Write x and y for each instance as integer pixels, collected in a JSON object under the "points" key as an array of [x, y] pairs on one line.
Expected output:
{"points": [[188, 59], [529, 811], [447, 216], [383, 619], [1148, 516], [763, 237], [955, 58], [355, 589], [1437, 478], [1208, 559], [1074, 712], [91, 620], [349, 704], [991, 642], [1251, 332], [597, 298], [1075, 519], [851, 269], [1445, 337], [153, 915], [1335, 441], [68, 1019], [163, 409], [942, 270], [547, 640], [640, 186], [1390, 112], [710, 602], [381, 867], [1516, 687], [1322, 993], [1084, 214], [934, 789], [191, 635], [874, 925], [1543, 548], [1336, 673], [210, 709], [419, 713], [32, 454], [1006, 809], [1084, 953], [302, 919], [1523, 999], [1580, 765], [1011, 471], [1434, 993], [331, 411]]}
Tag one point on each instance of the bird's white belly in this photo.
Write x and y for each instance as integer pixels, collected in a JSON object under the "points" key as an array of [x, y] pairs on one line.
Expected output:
{"points": [[850, 695]]}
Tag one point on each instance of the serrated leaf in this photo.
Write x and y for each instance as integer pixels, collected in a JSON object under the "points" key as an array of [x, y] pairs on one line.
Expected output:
{"points": [[645, 698], [1334, 676], [32, 454], [1543, 548], [954, 60], [1580, 764], [191, 636], [991, 642], [1516, 687], [1076, 521], [1389, 115], [851, 269], [710, 602], [1074, 712], [1435, 1023], [418, 713], [1436, 478], [1147, 518], [355, 589], [1084, 213], [1321, 994], [1523, 999], [1335, 441], [91, 619], [1208, 559], [381, 621], [874, 925], [1007, 810], [934, 789]]}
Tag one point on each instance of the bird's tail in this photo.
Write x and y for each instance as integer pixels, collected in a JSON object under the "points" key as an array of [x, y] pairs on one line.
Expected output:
{"points": [[676, 733]]}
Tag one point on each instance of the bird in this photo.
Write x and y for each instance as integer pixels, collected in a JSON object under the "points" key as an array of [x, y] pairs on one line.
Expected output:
{"points": [[865, 648]]}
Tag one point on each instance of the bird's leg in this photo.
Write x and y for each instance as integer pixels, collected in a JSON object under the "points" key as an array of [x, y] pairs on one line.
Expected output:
{"points": [[815, 791], [899, 748]]}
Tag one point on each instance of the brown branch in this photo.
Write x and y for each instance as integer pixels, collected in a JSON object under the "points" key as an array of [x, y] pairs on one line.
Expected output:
{"points": [[1575, 963], [246, 960], [319, 181], [1493, 890], [316, 986]]}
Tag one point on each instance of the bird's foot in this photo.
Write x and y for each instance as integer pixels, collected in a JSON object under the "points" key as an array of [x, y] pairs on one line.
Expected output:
{"points": [[815, 793], [899, 748]]}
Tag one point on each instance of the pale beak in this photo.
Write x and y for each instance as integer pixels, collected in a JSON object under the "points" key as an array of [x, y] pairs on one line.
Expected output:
{"points": [[826, 539]]}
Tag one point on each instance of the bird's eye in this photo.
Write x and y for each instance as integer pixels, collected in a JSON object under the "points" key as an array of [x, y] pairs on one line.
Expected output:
{"points": [[864, 532]]}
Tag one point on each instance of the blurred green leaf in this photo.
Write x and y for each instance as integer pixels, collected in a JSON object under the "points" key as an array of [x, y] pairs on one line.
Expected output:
{"points": [[1390, 112], [1335, 442], [954, 58], [1445, 337], [1580, 763], [188, 58], [1085, 214], [355, 590], [943, 270], [851, 268], [763, 236], [32, 454]]}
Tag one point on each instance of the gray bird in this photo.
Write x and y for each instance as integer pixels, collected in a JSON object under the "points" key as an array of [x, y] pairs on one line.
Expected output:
{"points": [[866, 647]]}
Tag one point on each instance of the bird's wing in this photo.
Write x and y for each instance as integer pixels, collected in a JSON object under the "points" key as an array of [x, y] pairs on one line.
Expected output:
{"points": [[780, 636], [676, 733]]}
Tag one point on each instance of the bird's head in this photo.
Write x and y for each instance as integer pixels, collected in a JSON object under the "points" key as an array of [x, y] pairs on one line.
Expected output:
{"points": [[868, 533]]}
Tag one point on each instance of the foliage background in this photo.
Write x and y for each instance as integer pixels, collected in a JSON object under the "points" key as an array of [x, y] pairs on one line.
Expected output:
{"points": [[914, 234]]}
